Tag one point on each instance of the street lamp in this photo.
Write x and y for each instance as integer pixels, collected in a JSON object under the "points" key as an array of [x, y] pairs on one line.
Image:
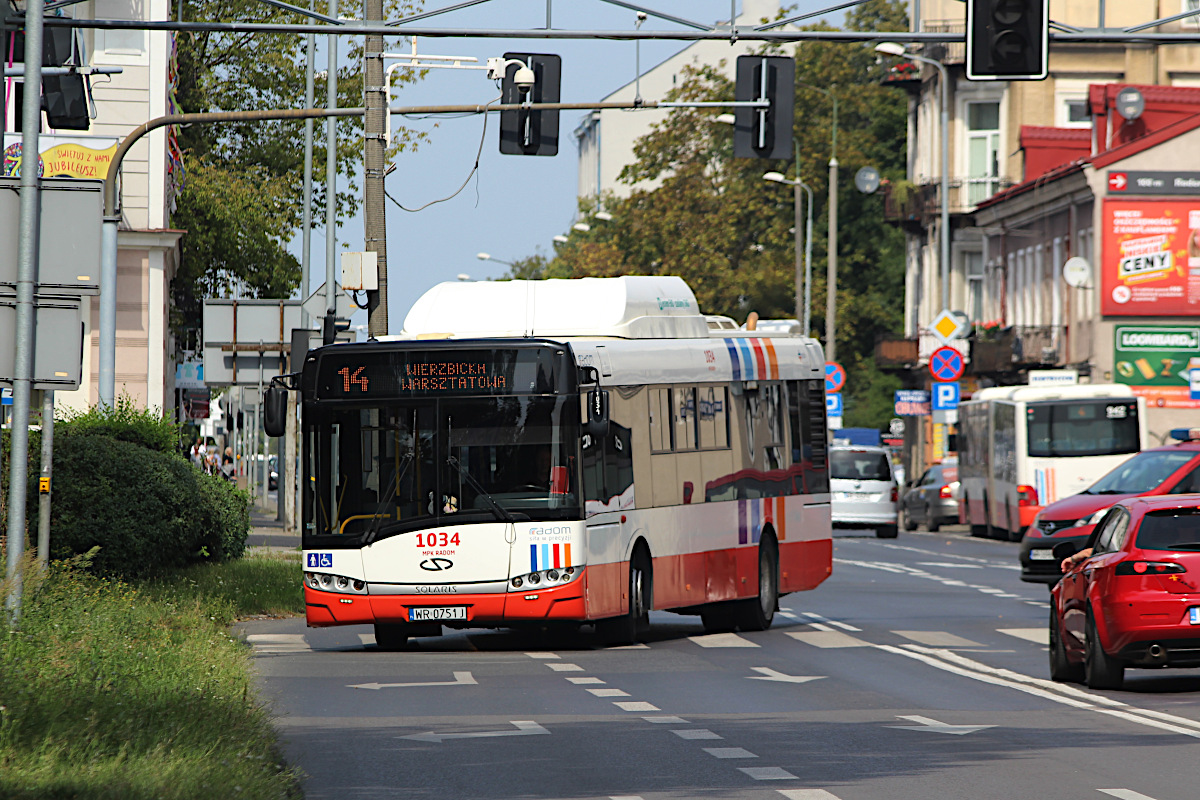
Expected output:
{"points": [[802, 309], [898, 50], [561, 239], [488, 257], [582, 227]]}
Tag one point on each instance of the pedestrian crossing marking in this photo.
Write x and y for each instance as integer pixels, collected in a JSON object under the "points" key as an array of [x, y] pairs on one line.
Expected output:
{"points": [[827, 639], [609, 692], [808, 794], [722, 640], [937, 639], [768, 773], [635, 705], [729, 752], [1035, 635], [565, 667], [693, 733]]}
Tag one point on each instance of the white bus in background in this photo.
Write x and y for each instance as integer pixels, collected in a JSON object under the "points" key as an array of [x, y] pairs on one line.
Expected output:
{"points": [[561, 452], [1021, 448]]}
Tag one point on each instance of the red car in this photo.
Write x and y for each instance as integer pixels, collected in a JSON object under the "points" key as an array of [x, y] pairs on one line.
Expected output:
{"points": [[1171, 469], [1135, 600]]}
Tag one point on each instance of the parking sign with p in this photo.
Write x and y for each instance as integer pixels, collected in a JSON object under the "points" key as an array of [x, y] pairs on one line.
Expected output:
{"points": [[945, 396]]}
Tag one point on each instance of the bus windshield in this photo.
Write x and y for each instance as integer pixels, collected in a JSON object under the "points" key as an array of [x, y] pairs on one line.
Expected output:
{"points": [[1083, 428], [387, 469]]}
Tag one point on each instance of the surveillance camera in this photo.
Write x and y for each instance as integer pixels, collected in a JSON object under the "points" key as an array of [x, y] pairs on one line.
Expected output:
{"points": [[641, 16], [524, 79]]}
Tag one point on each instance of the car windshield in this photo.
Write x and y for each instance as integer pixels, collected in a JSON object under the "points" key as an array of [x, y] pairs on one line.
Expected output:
{"points": [[1170, 529], [859, 465], [1141, 473]]}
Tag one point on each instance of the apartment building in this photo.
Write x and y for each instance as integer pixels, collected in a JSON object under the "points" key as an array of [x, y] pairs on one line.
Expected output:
{"points": [[147, 249]]}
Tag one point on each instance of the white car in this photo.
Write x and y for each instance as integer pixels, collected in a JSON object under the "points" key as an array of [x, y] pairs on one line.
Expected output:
{"points": [[863, 489]]}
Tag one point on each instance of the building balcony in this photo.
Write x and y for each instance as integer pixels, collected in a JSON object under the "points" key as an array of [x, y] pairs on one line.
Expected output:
{"points": [[893, 351], [1015, 348], [945, 52], [914, 204]]}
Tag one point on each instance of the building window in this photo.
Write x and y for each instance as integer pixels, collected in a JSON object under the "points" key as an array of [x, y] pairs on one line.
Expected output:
{"points": [[118, 44], [1193, 21], [983, 151], [974, 266]]}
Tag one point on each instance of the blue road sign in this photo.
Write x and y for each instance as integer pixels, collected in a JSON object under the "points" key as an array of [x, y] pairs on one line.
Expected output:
{"points": [[945, 396], [835, 377], [912, 403], [946, 364], [833, 404], [1193, 383], [5, 397]]}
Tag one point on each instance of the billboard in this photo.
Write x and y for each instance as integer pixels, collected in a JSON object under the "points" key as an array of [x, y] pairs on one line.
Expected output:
{"points": [[1150, 258], [1154, 360]]}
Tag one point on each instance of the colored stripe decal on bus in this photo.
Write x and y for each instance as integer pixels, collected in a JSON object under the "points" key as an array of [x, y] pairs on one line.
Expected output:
{"points": [[567, 555], [742, 536], [734, 361], [760, 358], [533, 567], [772, 357], [748, 360], [545, 556], [755, 520], [557, 557], [781, 518]]}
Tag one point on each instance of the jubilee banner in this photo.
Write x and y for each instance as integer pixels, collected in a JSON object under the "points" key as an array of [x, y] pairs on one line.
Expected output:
{"points": [[1150, 258], [1154, 360]]}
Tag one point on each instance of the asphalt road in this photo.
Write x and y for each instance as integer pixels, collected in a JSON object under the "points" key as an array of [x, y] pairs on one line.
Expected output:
{"points": [[918, 670]]}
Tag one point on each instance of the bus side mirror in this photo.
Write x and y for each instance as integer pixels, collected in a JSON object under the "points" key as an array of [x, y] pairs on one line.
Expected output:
{"points": [[275, 411], [597, 421]]}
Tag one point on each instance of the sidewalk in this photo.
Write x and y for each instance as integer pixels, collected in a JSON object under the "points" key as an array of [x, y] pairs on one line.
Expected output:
{"points": [[266, 531]]}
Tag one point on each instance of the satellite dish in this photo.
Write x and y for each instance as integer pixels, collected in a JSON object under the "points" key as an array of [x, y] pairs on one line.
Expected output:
{"points": [[1130, 103], [1077, 272], [867, 180]]}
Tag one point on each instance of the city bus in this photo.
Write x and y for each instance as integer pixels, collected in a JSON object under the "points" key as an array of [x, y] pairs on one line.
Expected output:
{"points": [[1021, 448], [560, 452]]}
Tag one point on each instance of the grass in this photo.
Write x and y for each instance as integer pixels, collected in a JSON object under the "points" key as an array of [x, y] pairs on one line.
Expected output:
{"points": [[113, 690]]}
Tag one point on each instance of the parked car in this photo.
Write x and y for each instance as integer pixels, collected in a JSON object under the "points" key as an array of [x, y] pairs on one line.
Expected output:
{"points": [[1135, 601], [931, 500], [1171, 469], [863, 490]]}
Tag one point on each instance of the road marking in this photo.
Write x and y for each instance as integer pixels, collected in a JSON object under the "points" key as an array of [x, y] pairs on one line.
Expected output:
{"points": [[366, 639], [769, 674], [460, 679], [668, 720], [904, 569], [1038, 603], [933, 726], [722, 640], [635, 705], [1047, 690], [936, 554], [609, 693], [692, 733], [1035, 635], [277, 643], [729, 752], [948, 566], [819, 626], [768, 773], [578, 681], [827, 639], [832, 622], [565, 667], [1125, 794], [522, 728], [937, 639], [808, 794], [638, 646], [788, 614], [625, 797], [544, 655]]}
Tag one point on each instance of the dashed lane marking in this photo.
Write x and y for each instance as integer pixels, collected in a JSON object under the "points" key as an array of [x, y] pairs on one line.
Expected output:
{"points": [[277, 643], [729, 752], [635, 705], [1035, 635], [768, 773], [666, 720], [832, 622], [1125, 794], [366, 639], [578, 681], [948, 565], [693, 733], [827, 639], [609, 692], [549, 656], [722, 640], [565, 667], [808, 794], [937, 639]]}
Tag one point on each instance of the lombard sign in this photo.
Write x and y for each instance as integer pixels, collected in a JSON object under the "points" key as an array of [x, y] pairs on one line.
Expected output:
{"points": [[1156, 360]]}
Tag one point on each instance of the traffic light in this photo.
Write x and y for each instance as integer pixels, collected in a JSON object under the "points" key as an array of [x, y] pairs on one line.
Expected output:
{"points": [[1008, 40], [64, 97], [530, 133], [758, 132]]}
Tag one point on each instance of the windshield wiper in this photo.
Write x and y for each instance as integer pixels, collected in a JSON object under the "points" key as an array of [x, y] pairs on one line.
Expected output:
{"points": [[500, 511]]}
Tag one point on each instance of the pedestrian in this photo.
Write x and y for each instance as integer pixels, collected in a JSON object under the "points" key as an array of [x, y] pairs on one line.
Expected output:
{"points": [[227, 464], [197, 455]]}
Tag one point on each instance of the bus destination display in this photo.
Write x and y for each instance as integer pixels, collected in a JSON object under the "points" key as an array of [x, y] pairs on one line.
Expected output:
{"points": [[363, 374]]}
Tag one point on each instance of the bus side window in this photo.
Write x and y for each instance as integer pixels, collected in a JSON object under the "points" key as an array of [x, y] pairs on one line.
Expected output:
{"points": [[684, 405], [661, 433], [713, 417]]}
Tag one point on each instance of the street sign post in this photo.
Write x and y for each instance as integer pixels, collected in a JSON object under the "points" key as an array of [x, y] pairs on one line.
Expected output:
{"points": [[833, 404], [946, 364]]}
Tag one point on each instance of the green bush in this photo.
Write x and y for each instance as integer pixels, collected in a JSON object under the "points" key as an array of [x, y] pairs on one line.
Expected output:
{"points": [[125, 422], [224, 518]]}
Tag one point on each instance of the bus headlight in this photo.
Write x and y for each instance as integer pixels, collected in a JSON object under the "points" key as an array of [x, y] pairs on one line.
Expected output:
{"points": [[550, 577], [339, 584]]}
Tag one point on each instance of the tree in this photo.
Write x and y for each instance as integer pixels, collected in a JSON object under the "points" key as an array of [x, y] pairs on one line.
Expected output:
{"points": [[241, 202], [697, 212]]}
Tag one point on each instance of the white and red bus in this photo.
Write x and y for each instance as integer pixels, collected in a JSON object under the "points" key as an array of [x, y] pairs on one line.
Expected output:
{"points": [[563, 451], [1021, 448]]}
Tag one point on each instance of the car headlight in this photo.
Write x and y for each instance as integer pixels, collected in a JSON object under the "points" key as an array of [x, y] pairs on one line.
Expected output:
{"points": [[1093, 519]]}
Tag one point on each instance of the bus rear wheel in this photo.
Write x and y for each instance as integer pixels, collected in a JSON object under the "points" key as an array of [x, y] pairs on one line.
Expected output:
{"points": [[391, 636], [757, 613]]}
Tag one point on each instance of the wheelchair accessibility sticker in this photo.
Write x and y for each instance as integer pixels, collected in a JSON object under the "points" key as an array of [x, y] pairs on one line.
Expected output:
{"points": [[319, 560]]}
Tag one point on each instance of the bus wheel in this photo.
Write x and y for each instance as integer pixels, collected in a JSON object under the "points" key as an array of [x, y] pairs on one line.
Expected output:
{"points": [[757, 613], [628, 628], [391, 637]]}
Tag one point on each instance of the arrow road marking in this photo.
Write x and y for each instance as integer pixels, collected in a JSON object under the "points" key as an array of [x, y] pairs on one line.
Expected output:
{"points": [[523, 728], [460, 679], [769, 674], [933, 726]]}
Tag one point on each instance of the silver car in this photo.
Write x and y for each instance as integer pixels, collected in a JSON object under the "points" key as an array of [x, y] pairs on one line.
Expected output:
{"points": [[863, 488], [932, 499]]}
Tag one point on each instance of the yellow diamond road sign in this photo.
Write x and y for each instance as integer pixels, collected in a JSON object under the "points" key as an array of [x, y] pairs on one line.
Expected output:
{"points": [[947, 327]]}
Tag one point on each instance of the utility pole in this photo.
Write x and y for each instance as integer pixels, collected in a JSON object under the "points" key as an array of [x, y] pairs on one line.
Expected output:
{"points": [[374, 157], [831, 265], [331, 101]]}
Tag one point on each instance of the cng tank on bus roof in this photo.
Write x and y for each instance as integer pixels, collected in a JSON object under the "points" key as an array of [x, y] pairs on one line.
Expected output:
{"points": [[628, 307]]}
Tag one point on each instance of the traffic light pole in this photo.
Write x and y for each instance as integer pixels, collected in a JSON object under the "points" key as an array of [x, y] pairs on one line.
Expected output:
{"points": [[374, 156]]}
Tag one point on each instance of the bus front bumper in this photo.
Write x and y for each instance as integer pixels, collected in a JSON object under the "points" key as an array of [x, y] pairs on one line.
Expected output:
{"points": [[326, 609]]}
